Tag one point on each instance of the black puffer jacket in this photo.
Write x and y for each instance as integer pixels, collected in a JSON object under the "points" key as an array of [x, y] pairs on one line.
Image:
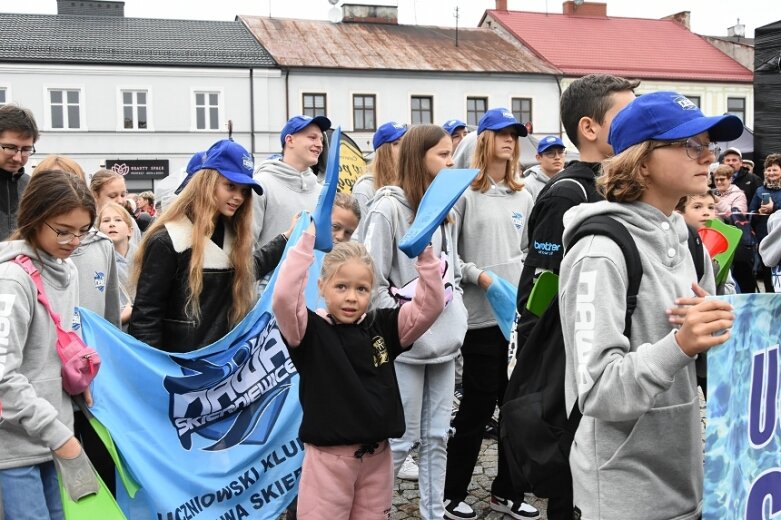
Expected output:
{"points": [[159, 316], [11, 187]]}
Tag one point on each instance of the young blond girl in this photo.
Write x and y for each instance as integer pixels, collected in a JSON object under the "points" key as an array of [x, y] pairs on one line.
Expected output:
{"points": [[56, 212], [349, 393], [638, 392], [116, 223], [194, 271], [382, 170]]}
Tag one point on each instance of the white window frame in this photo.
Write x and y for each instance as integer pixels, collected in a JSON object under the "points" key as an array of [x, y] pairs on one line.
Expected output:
{"points": [[47, 89], [121, 109], [8, 98], [220, 108]]}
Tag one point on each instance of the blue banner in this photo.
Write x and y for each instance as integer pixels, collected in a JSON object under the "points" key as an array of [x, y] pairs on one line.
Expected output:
{"points": [[743, 433], [208, 434]]}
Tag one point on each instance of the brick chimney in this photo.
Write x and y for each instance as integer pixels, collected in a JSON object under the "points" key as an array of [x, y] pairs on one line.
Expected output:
{"points": [[91, 8], [370, 14], [595, 9], [501, 5], [683, 18]]}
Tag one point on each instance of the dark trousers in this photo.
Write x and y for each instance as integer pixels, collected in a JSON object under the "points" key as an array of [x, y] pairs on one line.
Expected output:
{"points": [[95, 450], [485, 380]]}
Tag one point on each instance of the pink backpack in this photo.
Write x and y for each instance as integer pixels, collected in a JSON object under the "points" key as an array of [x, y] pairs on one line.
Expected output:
{"points": [[80, 363]]}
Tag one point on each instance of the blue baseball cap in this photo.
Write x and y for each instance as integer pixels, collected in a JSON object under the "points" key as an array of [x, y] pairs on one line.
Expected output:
{"points": [[193, 166], [499, 119], [229, 158], [549, 141], [388, 132], [297, 123], [667, 116], [453, 125]]}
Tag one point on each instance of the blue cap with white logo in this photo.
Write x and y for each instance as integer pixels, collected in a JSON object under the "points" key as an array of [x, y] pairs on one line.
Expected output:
{"points": [[549, 141], [387, 133], [297, 123], [667, 116], [499, 119], [233, 162], [453, 125]]}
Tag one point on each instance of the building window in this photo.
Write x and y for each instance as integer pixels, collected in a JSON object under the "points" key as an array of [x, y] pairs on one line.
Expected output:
{"points": [[134, 110], [314, 105], [695, 100], [207, 110], [421, 110], [475, 109], [522, 109], [65, 108], [737, 107], [364, 112], [3, 96]]}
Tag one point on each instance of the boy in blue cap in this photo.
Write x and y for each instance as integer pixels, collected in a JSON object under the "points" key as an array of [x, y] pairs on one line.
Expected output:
{"points": [[289, 185], [456, 129], [638, 452], [550, 156]]}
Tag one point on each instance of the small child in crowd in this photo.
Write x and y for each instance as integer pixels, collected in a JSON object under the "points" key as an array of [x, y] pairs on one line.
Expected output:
{"points": [[349, 393], [117, 224]]}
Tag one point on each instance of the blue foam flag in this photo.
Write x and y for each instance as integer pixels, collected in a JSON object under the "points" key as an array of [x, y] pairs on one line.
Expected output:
{"points": [[211, 433], [322, 214], [502, 296], [438, 200]]}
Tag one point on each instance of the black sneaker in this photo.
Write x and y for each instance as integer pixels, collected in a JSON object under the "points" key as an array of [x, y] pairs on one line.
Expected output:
{"points": [[519, 510], [455, 510]]}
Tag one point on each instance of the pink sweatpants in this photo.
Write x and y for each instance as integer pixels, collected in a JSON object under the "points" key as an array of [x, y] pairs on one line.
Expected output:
{"points": [[335, 485]]}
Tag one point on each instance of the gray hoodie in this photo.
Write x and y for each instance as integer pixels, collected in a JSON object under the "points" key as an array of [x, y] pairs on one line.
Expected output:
{"points": [[98, 277], [37, 413], [363, 192], [535, 180], [638, 450], [286, 192], [770, 248], [388, 220], [492, 236]]}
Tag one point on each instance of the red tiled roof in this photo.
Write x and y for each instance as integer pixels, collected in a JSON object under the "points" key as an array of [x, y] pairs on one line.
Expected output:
{"points": [[313, 43], [631, 47]]}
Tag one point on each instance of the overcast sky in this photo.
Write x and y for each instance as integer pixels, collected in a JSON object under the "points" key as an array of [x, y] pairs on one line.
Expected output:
{"points": [[711, 17]]}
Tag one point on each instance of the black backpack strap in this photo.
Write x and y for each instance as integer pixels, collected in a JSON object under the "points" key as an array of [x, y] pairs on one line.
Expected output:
{"points": [[697, 251], [606, 226]]}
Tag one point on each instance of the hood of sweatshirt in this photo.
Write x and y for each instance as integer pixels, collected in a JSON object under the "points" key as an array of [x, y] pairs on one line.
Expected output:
{"points": [[283, 173], [58, 273], [84, 244]]}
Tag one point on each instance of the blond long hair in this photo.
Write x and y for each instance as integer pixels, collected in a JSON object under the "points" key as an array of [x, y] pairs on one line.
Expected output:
{"points": [[383, 166], [485, 153], [413, 178], [198, 203]]}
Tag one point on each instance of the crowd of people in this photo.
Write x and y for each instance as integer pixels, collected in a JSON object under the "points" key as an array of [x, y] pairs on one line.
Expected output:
{"points": [[398, 333]]}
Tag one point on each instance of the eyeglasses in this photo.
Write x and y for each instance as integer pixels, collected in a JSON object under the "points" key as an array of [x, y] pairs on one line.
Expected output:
{"points": [[694, 149], [552, 154], [11, 150], [66, 237]]}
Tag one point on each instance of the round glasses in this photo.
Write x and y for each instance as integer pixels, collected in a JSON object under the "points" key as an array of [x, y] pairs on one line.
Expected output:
{"points": [[694, 149], [66, 237]]}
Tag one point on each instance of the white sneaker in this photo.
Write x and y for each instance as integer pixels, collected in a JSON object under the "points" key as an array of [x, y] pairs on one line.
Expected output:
{"points": [[409, 470]]}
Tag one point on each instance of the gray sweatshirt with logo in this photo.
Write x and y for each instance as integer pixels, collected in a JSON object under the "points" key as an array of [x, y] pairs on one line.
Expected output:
{"points": [[286, 192], [638, 450], [98, 277], [37, 413], [388, 220], [492, 236]]}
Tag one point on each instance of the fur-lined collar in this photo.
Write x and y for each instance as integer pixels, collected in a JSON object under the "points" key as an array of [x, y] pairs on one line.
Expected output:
{"points": [[181, 233]]}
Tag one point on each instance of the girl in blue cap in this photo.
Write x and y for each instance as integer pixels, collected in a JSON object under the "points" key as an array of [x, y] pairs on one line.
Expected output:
{"points": [[382, 170], [426, 373], [490, 220], [194, 271], [638, 451]]}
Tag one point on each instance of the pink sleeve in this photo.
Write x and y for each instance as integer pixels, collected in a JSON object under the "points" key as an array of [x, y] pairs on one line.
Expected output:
{"points": [[417, 316], [288, 300]]}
